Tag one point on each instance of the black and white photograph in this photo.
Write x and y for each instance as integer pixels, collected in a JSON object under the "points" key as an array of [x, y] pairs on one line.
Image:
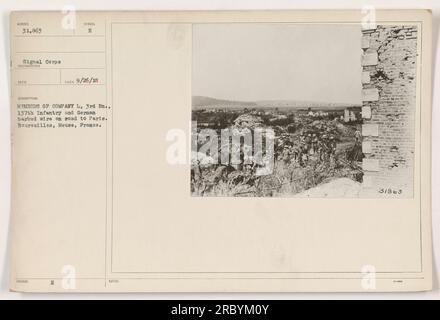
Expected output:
{"points": [[303, 110]]}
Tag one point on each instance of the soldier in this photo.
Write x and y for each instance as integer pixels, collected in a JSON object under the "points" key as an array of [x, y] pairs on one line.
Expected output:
{"points": [[358, 136], [321, 146], [286, 155], [314, 144], [296, 153], [332, 146], [324, 147], [308, 141]]}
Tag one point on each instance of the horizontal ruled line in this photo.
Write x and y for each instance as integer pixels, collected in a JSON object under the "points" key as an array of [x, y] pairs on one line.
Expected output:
{"points": [[32, 52], [56, 68], [60, 84], [230, 278], [67, 35]]}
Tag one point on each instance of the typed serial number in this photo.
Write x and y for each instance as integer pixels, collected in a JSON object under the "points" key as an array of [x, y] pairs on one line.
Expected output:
{"points": [[241, 309]]}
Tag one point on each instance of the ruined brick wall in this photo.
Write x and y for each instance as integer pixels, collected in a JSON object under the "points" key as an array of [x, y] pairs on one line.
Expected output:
{"points": [[389, 103]]}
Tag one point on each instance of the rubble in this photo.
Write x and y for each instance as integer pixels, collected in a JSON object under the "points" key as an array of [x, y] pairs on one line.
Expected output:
{"points": [[339, 188]]}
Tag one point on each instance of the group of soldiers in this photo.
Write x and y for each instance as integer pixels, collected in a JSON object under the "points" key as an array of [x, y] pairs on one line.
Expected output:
{"points": [[319, 146]]}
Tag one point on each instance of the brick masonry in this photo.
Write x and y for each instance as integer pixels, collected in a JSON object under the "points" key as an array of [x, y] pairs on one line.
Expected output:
{"points": [[389, 55]]}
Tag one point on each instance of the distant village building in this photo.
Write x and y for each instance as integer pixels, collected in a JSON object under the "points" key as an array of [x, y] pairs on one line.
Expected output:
{"points": [[317, 114], [351, 114], [346, 115]]}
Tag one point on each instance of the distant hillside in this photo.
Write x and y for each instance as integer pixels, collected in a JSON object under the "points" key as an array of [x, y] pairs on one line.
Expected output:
{"points": [[207, 102], [301, 104], [201, 101]]}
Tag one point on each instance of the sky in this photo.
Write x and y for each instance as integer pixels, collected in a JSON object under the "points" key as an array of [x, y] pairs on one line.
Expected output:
{"points": [[302, 62]]}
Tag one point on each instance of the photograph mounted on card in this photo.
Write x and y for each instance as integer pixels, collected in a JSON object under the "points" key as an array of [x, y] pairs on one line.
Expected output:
{"points": [[221, 151]]}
